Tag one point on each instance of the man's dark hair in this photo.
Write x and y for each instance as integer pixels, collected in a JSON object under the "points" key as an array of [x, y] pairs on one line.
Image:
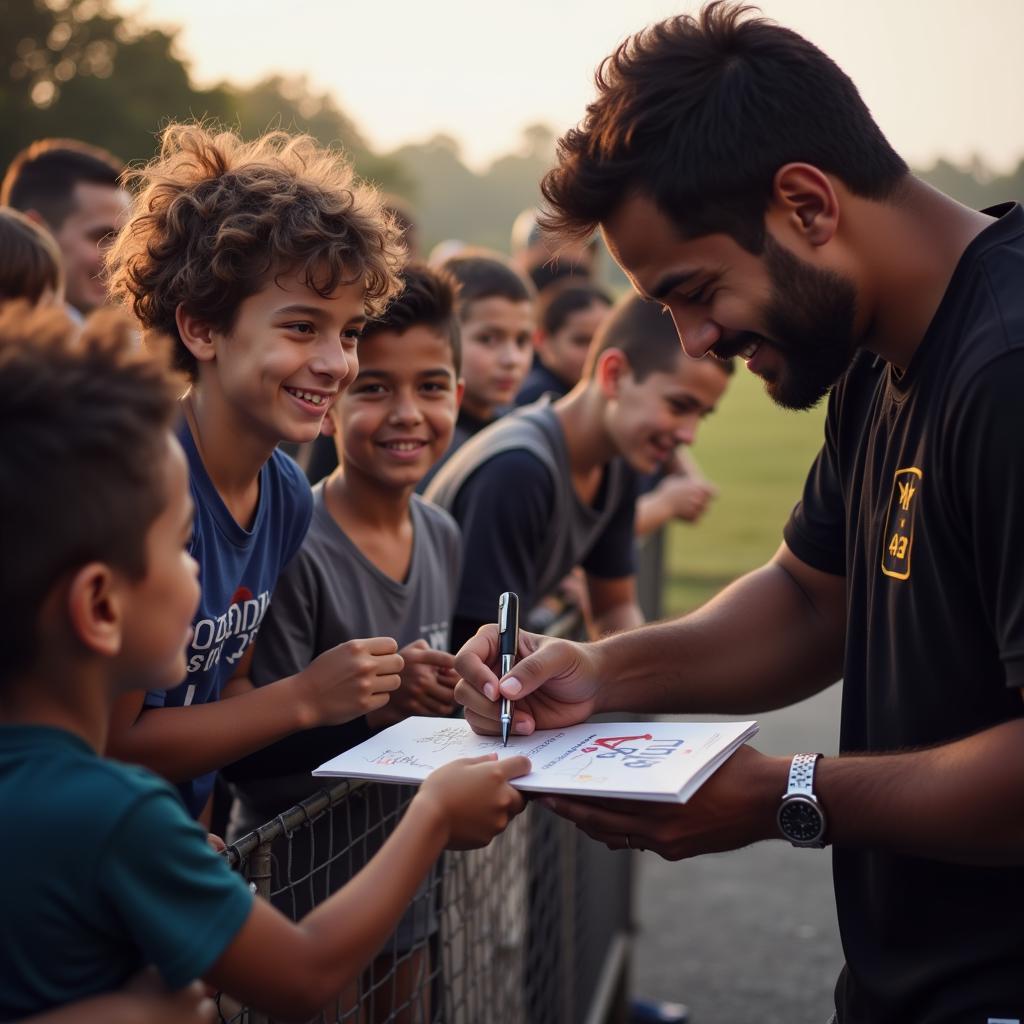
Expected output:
{"points": [[84, 418], [427, 299], [43, 177], [556, 304], [485, 277], [645, 334], [699, 112]]}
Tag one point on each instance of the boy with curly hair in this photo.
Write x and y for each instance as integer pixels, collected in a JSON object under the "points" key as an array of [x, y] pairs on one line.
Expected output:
{"points": [[96, 595], [261, 261]]}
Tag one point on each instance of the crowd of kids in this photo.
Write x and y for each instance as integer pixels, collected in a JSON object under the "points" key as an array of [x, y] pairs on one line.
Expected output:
{"points": [[177, 603]]}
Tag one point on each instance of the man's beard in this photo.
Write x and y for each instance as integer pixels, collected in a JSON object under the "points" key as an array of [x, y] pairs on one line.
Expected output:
{"points": [[811, 320]]}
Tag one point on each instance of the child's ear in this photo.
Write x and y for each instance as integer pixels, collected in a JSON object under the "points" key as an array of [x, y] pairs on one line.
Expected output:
{"points": [[460, 392], [612, 366], [94, 608], [196, 335]]}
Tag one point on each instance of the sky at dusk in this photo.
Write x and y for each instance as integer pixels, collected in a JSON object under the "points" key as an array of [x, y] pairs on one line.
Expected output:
{"points": [[941, 76]]}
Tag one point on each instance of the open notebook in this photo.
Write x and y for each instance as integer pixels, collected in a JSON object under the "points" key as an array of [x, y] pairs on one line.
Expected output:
{"points": [[665, 761]]}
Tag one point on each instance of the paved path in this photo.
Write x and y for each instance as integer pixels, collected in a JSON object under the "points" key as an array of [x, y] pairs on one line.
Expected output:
{"points": [[748, 937]]}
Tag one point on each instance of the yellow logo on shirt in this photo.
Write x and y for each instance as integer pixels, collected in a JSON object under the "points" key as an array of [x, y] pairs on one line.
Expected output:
{"points": [[898, 540]]}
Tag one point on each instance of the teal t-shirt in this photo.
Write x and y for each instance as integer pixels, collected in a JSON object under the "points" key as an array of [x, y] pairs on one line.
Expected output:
{"points": [[102, 872]]}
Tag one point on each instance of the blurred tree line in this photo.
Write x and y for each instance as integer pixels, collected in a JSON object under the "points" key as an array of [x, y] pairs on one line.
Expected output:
{"points": [[77, 68]]}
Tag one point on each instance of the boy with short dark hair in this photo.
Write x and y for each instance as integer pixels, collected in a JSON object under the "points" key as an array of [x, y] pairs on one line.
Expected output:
{"points": [[105, 871], [494, 306], [550, 487], [568, 317], [261, 262], [372, 536], [495, 312], [74, 191]]}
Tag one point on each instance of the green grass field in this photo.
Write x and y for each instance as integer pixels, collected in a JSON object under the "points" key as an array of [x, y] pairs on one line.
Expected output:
{"points": [[758, 455]]}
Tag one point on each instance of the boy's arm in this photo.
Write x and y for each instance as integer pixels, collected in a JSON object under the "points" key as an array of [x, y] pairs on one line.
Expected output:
{"points": [[675, 497], [613, 605], [182, 743], [292, 970]]}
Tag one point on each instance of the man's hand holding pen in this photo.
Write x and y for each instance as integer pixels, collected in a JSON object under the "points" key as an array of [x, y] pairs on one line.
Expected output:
{"points": [[554, 683]]}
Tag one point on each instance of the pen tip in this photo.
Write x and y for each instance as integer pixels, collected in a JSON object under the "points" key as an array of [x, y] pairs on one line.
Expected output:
{"points": [[504, 733]]}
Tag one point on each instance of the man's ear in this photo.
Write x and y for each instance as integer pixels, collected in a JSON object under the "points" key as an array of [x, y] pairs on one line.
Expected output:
{"points": [[37, 218], [196, 335], [460, 392], [612, 367], [804, 204], [94, 605]]}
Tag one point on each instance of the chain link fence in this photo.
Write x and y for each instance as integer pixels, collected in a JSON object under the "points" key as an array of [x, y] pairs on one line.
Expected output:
{"points": [[534, 929]]}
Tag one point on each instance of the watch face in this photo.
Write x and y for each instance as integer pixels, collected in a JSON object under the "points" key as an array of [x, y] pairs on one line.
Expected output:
{"points": [[801, 821]]}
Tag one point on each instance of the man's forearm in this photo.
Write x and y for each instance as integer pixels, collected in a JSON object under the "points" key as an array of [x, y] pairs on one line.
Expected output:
{"points": [[182, 743], [762, 643], [961, 802]]}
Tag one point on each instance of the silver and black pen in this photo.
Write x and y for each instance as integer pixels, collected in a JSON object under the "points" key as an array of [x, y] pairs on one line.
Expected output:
{"points": [[508, 649]]}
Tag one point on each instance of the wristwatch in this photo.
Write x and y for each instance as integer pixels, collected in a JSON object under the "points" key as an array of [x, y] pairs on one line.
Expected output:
{"points": [[801, 817]]}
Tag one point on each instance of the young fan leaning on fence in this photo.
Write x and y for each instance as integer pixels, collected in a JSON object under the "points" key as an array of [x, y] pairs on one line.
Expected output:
{"points": [[261, 261]]}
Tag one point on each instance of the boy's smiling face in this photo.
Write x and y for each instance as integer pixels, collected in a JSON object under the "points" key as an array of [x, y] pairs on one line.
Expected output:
{"points": [[397, 417], [288, 355], [647, 420]]}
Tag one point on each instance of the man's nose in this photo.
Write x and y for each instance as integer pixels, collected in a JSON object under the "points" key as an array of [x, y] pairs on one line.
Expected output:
{"points": [[697, 332]]}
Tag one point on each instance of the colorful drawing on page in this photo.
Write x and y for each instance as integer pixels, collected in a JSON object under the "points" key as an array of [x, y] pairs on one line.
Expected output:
{"points": [[613, 746]]}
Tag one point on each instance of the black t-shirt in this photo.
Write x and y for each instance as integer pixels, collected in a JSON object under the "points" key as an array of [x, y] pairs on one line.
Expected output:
{"points": [[504, 528], [523, 525], [917, 497]]}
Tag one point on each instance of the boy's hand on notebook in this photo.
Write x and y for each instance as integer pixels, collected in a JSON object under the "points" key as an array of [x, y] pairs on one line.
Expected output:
{"points": [[428, 682], [474, 797], [350, 680], [555, 683]]}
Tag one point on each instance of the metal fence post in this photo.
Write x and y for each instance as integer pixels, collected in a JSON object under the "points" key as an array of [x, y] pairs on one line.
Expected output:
{"points": [[258, 872]]}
